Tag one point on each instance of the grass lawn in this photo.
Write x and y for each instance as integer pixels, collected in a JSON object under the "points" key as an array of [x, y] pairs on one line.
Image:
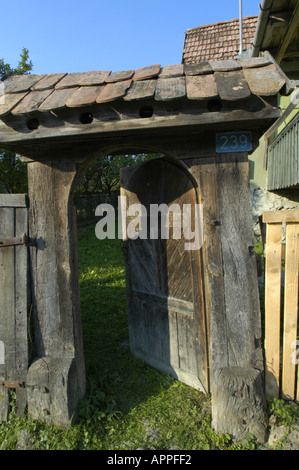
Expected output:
{"points": [[128, 404]]}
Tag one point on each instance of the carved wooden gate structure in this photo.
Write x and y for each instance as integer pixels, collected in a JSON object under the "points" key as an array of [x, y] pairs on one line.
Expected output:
{"points": [[207, 116]]}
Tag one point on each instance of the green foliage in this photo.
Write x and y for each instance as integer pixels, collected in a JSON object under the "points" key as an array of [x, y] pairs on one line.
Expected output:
{"points": [[24, 66], [13, 173], [102, 176], [128, 404], [285, 412]]}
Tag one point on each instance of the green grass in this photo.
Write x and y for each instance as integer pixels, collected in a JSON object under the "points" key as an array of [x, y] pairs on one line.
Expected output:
{"points": [[128, 405]]}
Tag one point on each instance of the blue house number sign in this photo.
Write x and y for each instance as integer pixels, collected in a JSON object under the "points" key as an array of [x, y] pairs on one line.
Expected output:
{"points": [[228, 142]]}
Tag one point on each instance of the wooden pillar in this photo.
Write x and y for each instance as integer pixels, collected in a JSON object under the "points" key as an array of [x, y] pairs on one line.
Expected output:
{"points": [[56, 376], [231, 296]]}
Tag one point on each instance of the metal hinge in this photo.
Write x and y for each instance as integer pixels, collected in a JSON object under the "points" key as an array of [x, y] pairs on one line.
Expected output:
{"points": [[15, 241], [12, 383]]}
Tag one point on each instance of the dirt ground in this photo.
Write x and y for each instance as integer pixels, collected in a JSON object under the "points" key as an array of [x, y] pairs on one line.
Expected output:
{"points": [[288, 438]]}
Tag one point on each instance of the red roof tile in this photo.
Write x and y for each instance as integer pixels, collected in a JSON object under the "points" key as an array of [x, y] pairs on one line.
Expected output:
{"points": [[217, 41]]}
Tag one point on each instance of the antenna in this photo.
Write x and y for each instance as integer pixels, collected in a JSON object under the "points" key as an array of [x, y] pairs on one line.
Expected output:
{"points": [[241, 25]]}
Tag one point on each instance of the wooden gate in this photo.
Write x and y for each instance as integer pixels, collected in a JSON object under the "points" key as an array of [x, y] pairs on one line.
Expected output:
{"points": [[167, 323], [281, 305], [13, 300]]}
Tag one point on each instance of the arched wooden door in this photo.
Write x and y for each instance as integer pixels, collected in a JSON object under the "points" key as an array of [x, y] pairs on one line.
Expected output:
{"points": [[166, 311]]}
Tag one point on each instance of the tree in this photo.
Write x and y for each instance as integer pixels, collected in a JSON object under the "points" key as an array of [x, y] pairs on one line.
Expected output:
{"points": [[103, 175], [13, 173]]}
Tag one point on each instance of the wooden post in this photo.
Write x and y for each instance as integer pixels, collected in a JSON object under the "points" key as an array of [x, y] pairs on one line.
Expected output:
{"points": [[56, 377], [232, 296]]}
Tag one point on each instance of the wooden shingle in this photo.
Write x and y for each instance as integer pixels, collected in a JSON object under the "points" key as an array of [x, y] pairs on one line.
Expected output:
{"points": [[170, 89]]}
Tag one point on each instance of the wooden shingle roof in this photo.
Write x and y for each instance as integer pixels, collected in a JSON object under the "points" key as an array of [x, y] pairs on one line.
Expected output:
{"points": [[218, 41], [229, 80]]}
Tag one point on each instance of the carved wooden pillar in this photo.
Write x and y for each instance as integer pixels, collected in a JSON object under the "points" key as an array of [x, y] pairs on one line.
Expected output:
{"points": [[56, 377], [231, 296]]}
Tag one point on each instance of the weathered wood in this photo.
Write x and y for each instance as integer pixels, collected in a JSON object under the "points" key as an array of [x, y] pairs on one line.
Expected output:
{"points": [[31, 102], [166, 310], [243, 321], [21, 83], [238, 403], [22, 298], [201, 68], [10, 101], [13, 301], [56, 309], [57, 100], [49, 81], [284, 216], [232, 85], [114, 91], [264, 81], [272, 308], [145, 73], [141, 90], [170, 89], [120, 76], [84, 96], [172, 71], [13, 200], [290, 310], [7, 304], [226, 65], [82, 79], [201, 87]]}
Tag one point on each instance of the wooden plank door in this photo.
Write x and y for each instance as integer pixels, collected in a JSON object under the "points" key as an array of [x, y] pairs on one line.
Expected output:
{"points": [[167, 324], [13, 301]]}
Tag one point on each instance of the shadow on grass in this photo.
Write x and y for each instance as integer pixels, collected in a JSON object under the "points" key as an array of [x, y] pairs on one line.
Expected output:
{"points": [[116, 381]]}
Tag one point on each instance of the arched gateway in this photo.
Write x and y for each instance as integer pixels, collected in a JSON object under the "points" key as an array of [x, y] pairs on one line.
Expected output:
{"points": [[205, 117]]}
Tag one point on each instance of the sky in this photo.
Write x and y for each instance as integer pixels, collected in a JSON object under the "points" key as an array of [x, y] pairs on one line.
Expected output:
{"points": [[79, 36]]}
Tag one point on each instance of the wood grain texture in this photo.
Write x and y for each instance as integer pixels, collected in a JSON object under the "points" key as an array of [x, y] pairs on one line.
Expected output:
{"points": [[84, 96], [201, 87], [31, 102], [264, 81], [146, 73], [141, 90], [113, 91], [164, 281], [272, 308], [21, 83], [170, 89], [232, 85], [10, 101], [13, 301], [290, 311], [57, 99]]}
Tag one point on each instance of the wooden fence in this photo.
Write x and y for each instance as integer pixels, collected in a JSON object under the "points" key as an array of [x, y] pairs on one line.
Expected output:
{"points": [[281, 303]]}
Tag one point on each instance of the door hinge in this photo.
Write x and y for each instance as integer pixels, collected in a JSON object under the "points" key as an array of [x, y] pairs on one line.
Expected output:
{"points": [[15, 241], [12, 384]]}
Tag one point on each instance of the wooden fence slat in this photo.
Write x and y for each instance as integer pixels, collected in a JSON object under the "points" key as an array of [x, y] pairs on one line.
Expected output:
{"points": [[290, 310], [6, 305], [13, 301], [272, 308]]}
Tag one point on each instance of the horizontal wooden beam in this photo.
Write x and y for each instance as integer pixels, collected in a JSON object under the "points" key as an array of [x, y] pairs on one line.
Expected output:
{"points": [[278, 217], [293, 25]]}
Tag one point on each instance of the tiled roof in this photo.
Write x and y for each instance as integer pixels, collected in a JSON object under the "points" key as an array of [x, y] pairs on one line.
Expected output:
{"points": [[229, 80], [218, 41]]}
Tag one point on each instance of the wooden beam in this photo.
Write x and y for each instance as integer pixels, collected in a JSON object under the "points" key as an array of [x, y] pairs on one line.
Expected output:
{"points": [[294, 22], [278, 217]]}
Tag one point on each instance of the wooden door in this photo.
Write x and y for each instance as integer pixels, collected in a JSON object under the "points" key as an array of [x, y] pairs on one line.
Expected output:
{"points": [[167, 324], [13, 301]]}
